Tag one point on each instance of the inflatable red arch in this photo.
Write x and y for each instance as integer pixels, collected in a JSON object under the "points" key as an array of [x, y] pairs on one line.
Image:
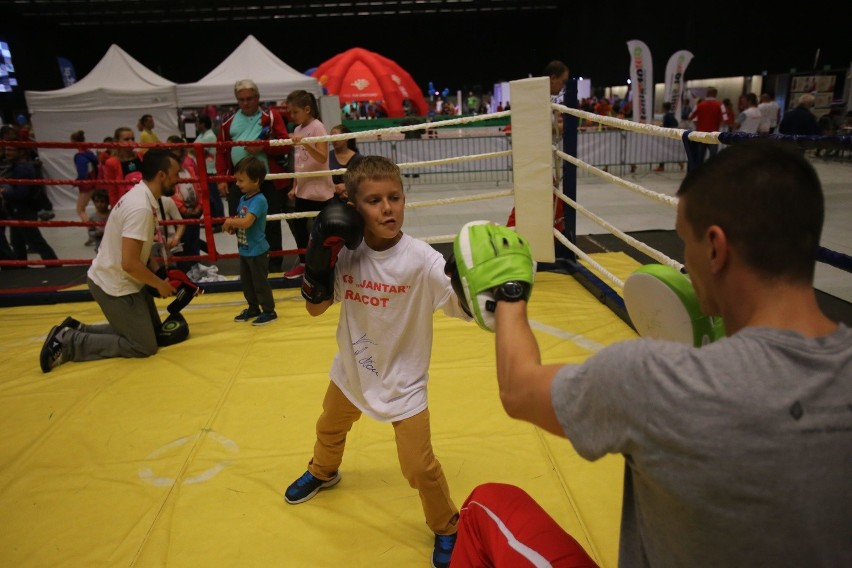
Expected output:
{"points": [[361, 75]]}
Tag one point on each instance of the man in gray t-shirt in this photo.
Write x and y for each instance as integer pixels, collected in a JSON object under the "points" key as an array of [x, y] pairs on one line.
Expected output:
{"points": [[738, 453]]}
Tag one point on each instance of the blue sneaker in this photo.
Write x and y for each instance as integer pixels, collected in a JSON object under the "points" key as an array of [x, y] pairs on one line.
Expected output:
{"points": [[307, 486], [265, 318], [444, 544], [246, 315]]}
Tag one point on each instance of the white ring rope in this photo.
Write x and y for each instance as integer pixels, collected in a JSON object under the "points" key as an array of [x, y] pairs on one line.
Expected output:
{"points": [[635, 243], [609, 121], [662, 197], [408, 165], [414, 205], [451, 200], [606, 273], [675, 133], [439, 239], [378, 133], [403, 166], [391, 130]]}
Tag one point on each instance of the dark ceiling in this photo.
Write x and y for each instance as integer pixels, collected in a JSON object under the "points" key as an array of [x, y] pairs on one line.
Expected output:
{"points": [[81, 13], [455, 44]]}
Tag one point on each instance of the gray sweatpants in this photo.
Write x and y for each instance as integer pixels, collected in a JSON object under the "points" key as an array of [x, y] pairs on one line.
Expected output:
{"points": [[254, 276], [131, 331]]}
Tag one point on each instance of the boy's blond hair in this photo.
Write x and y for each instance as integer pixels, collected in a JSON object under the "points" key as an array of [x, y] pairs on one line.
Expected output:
{"points": [[371, 168]]}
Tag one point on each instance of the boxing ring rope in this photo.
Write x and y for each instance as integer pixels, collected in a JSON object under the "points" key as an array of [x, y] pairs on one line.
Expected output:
{"points": [[635, 243], [203, 180], [564, 238], [824, 255]]}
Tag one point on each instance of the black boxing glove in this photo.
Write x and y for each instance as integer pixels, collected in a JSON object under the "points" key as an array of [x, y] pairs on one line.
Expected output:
{"points": [[186, 290], [336, 226]]}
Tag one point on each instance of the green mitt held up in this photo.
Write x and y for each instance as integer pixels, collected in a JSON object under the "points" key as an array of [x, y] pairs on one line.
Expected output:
{"points": [[487, 256]]}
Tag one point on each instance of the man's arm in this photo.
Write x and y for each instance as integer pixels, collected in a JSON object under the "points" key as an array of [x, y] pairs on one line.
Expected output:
{"points": [[179, 231], [131, 249], [523, 381]]}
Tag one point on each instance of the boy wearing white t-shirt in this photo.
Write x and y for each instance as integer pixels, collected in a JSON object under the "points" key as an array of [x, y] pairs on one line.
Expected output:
{"points": [[389, 286]]}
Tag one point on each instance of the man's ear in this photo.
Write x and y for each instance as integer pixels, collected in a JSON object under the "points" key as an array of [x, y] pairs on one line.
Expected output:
{"points": [[718, 247]]}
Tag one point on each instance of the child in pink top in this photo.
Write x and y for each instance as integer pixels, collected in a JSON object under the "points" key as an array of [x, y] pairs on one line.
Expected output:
{"points": [[309, 193]]}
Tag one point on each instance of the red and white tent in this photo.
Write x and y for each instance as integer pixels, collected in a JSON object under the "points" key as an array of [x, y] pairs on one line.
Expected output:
{"points": [[361, 75]]}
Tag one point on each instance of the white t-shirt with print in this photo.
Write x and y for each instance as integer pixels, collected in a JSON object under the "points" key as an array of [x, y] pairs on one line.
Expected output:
{"points": [[385, 329]]}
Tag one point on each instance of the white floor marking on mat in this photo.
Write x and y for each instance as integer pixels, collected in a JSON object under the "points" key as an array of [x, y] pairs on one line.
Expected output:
{"points": [[568, 336], [147, 474]]}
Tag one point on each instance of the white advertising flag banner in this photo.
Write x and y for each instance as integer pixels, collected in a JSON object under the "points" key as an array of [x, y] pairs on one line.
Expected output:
{"points": [[642, 81], [675, 79]]}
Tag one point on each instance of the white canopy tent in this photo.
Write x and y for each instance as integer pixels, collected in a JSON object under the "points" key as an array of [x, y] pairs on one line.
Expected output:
{"points": [[117, 92], [251, 60]]}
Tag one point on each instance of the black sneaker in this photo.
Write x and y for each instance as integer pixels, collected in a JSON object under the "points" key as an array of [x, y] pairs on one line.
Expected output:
{"points": [[246, 315], [265, 318], [307, 486], [46, 214], [51, 351], [444, 544], [71, 322]]}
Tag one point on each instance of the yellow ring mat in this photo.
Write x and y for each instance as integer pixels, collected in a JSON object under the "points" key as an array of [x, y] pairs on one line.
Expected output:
{"points": [[182, 459]]}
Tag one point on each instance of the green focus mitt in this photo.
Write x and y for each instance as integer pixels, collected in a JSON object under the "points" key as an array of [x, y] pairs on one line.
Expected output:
{"points": [[662, 304], [492, 263]]}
